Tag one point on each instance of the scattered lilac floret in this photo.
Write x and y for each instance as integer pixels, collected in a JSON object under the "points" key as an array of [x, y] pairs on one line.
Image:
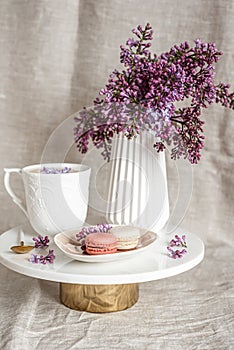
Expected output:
{"points": [[177, 241], [64, 170], [49, 258], [176, 253], [85, 231], [34, 259], [92, 229], [41, 242]]}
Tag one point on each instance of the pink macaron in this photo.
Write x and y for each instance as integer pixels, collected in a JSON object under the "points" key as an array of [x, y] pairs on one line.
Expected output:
{"points": [[101, 243]]}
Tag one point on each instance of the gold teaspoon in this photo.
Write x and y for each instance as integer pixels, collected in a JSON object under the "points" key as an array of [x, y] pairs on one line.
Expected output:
{"points": [[22, 249]]}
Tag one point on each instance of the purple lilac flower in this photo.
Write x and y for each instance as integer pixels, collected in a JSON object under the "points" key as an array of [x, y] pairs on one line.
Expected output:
{"points": [[176, 253], [92, 229], [80, 236], [177, 241], [144, 96], [46, 170], [34, 259], [49, 258], [41, 242]]}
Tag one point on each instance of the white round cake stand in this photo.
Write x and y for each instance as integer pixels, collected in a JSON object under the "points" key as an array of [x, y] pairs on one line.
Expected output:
{"points": [[102, 287]]}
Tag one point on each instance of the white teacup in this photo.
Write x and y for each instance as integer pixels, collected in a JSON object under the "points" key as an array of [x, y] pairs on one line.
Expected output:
{"points": [[54, 202]]}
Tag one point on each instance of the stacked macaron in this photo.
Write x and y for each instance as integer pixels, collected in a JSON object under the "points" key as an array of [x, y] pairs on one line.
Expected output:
{"points": [[119, 238], [127, 237], [101, 243]]}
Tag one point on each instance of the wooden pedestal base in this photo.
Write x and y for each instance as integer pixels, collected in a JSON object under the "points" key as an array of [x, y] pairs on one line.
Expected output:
{"points": [[98, 298]]}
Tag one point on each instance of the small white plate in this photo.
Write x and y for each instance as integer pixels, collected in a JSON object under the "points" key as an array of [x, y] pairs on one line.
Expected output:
{"points": [[67, 243]]}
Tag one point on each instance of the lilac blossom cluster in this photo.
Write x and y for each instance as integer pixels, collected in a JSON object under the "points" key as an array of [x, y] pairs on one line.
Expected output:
{"points": [[41, 242], [177, 242], [143, 96], [176, 253], [40, 259], [80, 236], [46, 170]]}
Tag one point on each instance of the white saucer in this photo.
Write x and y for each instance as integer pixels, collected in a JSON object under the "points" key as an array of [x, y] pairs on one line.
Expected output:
{"points": [[67, 243]]}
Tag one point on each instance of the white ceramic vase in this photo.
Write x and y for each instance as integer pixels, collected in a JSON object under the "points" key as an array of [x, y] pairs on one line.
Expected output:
{"points": [[138, 193]]}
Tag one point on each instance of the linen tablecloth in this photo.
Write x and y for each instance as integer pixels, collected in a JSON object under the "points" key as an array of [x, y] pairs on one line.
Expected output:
{"points": [[192, 311]]}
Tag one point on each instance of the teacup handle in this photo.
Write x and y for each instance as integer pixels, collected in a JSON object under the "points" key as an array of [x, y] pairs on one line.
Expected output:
{"points": [[9, 189]]}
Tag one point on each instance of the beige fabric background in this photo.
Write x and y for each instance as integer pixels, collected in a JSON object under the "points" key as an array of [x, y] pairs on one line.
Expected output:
{"points": [[55, 56]]}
